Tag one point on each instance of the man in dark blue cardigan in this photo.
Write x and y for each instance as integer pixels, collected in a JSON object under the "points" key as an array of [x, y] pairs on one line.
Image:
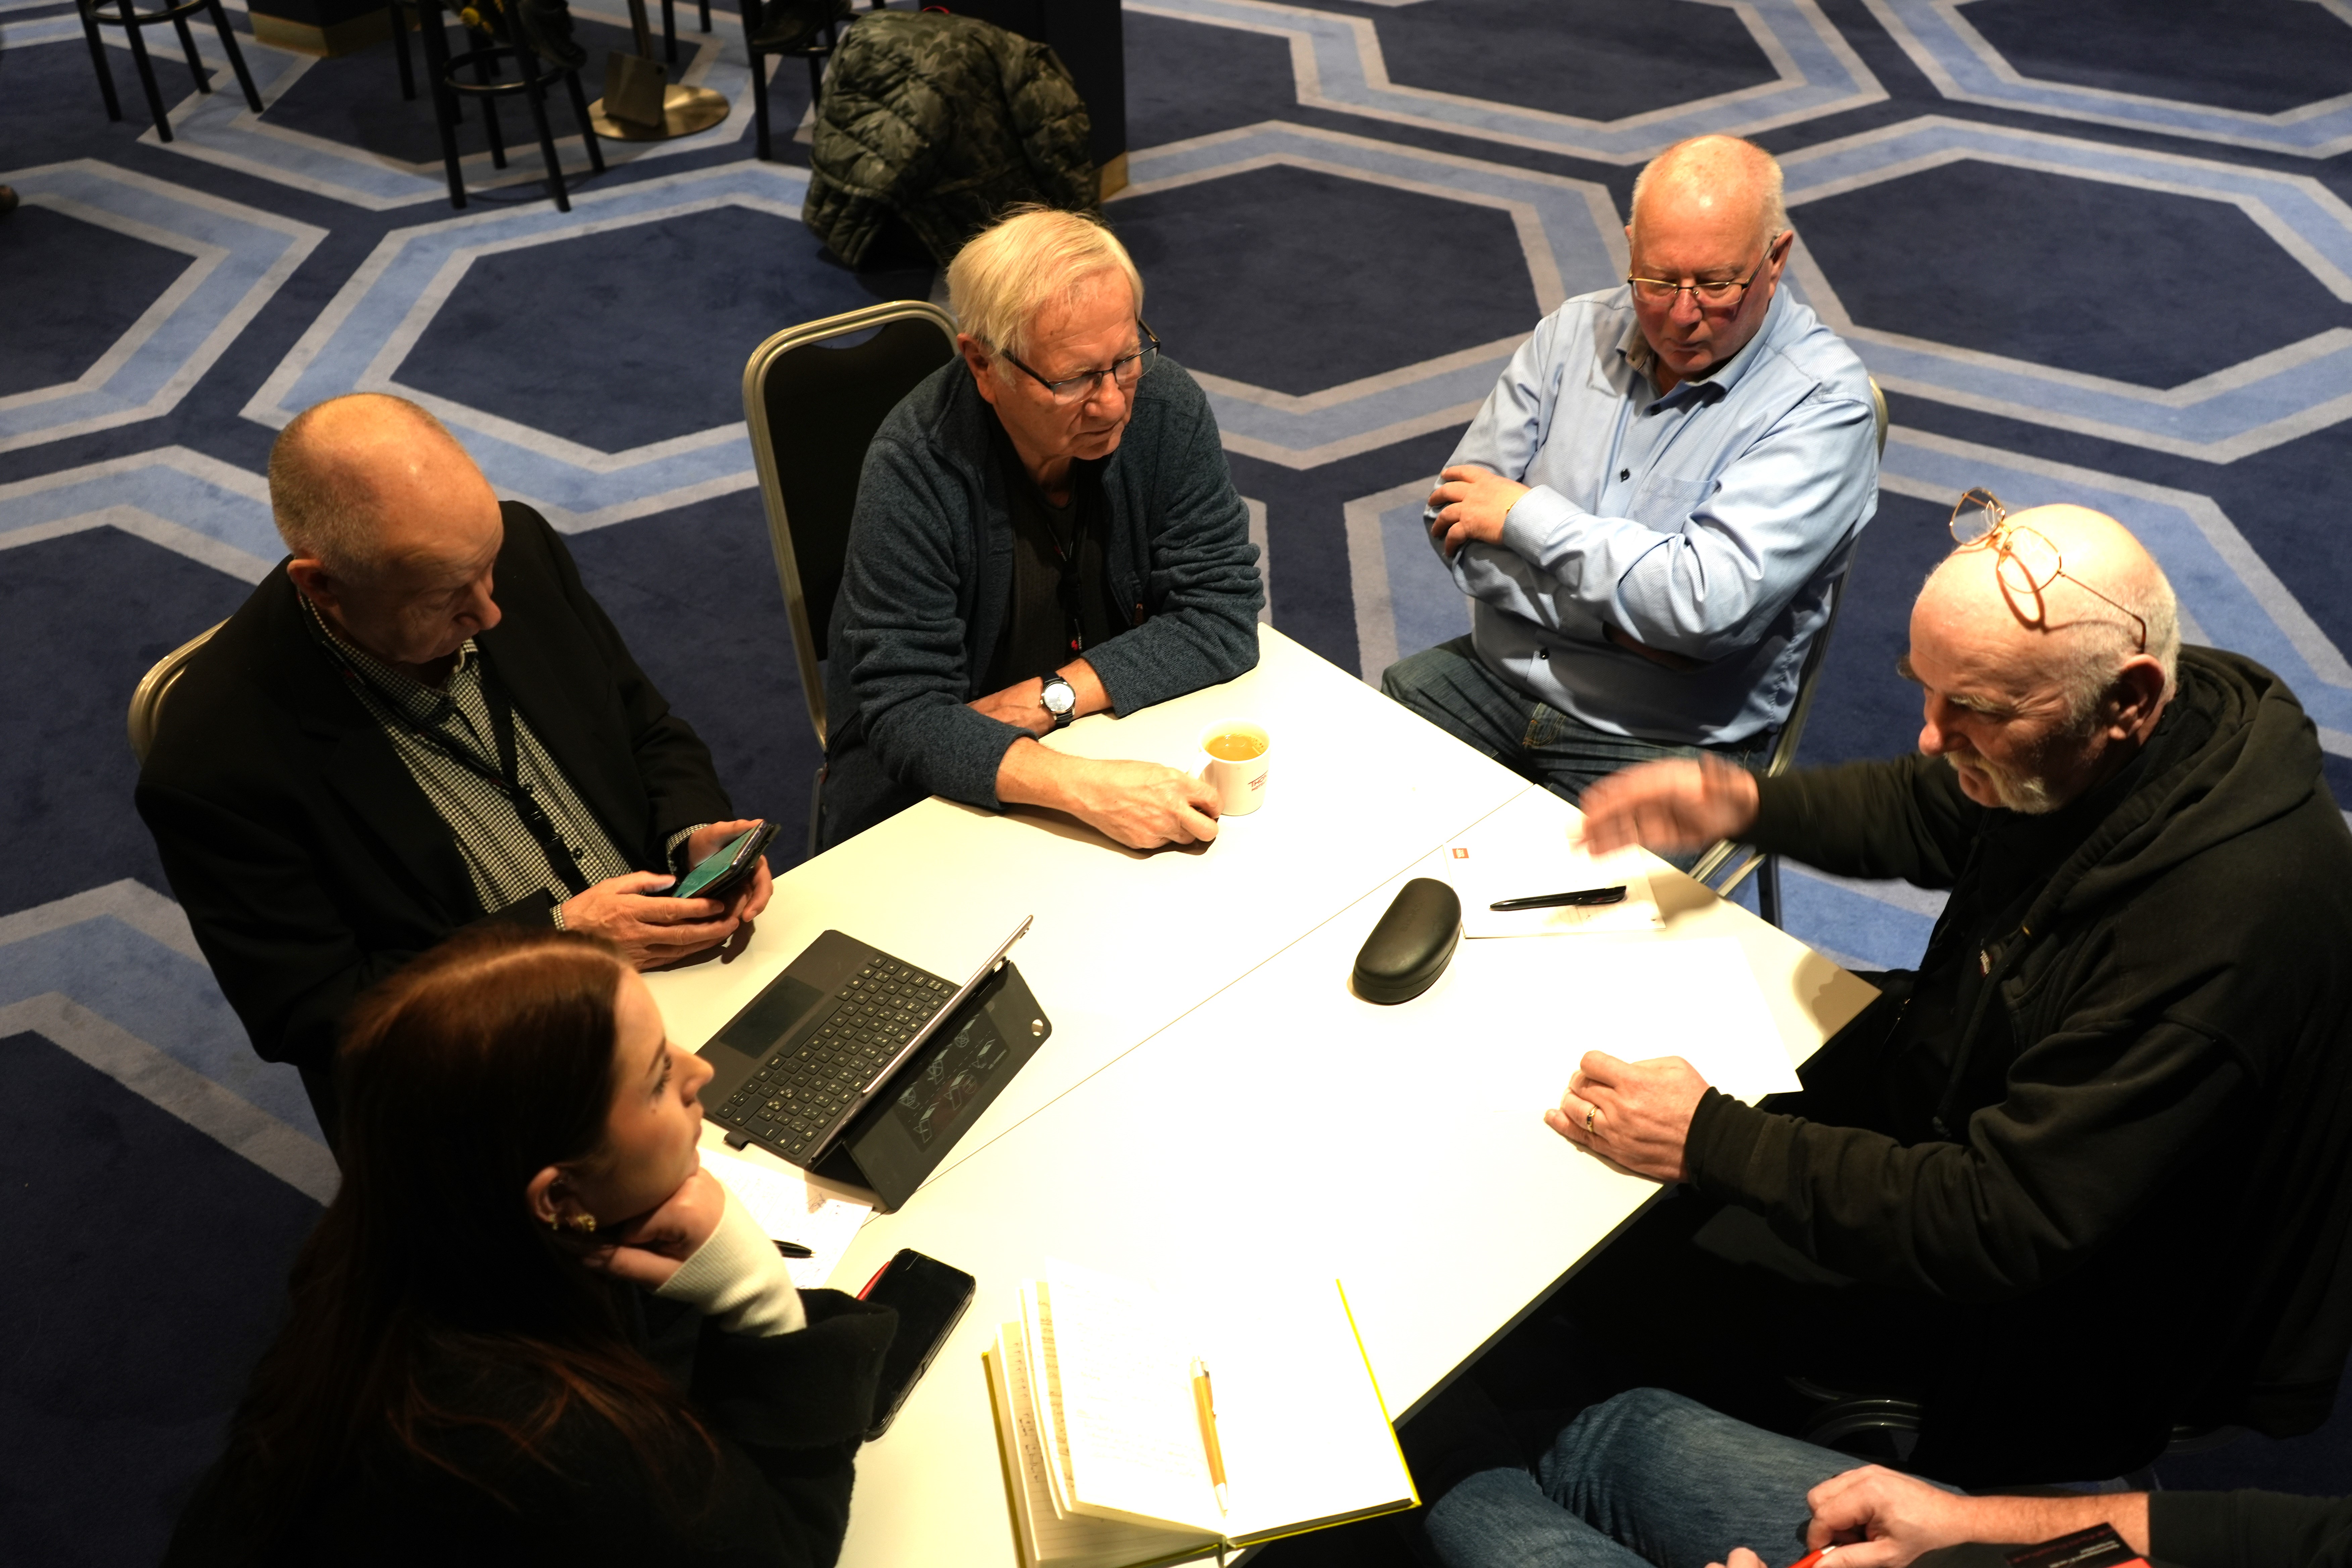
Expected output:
{"points": [[1045, 529]]}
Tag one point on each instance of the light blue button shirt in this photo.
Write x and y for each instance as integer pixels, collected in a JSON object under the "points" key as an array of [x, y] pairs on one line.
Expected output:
{"points": [[1710, 522]]}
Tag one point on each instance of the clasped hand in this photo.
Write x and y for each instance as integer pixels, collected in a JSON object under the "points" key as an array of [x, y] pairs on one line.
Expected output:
{"points": [[651, 930], [1471, 504]]}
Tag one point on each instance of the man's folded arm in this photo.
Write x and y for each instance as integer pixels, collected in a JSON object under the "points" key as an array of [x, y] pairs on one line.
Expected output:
{"points": [[1510, 428], [903, 641], [2093, 1124], [1203, 629], [1769, 524], [1903, 818]]}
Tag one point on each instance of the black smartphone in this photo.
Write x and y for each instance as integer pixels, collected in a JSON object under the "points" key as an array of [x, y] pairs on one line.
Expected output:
{"points": [[722, 873], [931, 1298]]}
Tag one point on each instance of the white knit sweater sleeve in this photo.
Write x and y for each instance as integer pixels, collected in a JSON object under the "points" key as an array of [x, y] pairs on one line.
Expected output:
{"points": [[739, 1279]]}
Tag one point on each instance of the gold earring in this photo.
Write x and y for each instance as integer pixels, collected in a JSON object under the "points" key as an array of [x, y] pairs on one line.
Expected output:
{"points": [[586, 1224]]}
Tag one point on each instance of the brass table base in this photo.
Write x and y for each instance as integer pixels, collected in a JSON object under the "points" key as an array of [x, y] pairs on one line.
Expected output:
{"points": [[685, 111]]}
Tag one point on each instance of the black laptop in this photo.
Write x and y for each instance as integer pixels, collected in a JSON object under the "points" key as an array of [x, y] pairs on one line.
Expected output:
{"points": [[862, 1068]]}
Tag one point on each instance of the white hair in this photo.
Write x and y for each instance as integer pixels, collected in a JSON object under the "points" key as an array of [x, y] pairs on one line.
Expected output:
{"points": [[1033, 258]]}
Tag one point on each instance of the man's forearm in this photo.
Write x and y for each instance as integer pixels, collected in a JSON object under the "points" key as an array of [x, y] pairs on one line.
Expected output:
{"points": [[2024, 1520], [1032, 774]]}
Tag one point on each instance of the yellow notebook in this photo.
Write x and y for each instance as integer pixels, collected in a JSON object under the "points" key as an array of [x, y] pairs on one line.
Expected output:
{"points": [[1106, 1457]]}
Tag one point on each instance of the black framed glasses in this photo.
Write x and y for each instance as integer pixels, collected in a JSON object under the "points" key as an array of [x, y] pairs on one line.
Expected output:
{"points": [[2029, 563], [1722, 295], [1125, 371]]}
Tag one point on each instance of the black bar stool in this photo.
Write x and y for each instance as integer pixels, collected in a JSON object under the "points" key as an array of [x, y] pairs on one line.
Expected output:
{"points": [[175, 12], [812, 43], [487, 50]]}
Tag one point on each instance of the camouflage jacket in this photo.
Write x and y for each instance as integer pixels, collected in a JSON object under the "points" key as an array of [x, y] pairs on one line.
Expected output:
{"points": [[945, 121]]}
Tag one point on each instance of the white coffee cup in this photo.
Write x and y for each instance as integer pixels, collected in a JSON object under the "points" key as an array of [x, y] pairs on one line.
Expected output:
{"points": [[1239, 780]]}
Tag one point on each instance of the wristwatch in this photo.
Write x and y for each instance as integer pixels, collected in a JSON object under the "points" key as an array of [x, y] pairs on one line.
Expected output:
{"points": [[1059, 700]]}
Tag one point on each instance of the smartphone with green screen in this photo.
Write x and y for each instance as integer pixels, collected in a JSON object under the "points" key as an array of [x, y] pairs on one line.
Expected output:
{"points": [[722, 873]]}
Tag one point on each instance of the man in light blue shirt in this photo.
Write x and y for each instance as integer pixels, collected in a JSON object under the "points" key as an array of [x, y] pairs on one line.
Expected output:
{"points": [[1652, 509]]}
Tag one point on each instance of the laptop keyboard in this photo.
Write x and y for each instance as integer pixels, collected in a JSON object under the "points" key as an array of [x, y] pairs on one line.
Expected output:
{"points": [[799, 1094]]}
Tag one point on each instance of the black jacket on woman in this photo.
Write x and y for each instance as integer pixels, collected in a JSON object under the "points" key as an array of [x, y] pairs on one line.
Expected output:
{"points": [[787, 1412], [2109, 1121]]}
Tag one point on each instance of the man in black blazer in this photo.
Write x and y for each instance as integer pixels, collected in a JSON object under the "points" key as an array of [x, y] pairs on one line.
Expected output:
{"points": [[373, 752]]}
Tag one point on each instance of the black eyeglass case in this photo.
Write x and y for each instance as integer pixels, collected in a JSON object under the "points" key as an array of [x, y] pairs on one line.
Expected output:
{"points": [[1411, 945]]}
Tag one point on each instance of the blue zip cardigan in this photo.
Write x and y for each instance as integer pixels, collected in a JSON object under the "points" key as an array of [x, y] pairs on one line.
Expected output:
{"points": [[929, 578]]}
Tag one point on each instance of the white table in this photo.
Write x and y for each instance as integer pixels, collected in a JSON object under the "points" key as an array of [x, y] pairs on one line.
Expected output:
{"points": [[1126, 942], [1214, 1103]]}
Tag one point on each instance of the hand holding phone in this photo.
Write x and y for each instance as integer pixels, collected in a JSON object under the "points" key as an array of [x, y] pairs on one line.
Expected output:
{"points": [[724, 872]]}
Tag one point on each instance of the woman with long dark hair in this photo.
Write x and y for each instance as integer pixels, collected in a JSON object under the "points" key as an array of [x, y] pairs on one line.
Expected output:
{"points": [[530, 1328]]}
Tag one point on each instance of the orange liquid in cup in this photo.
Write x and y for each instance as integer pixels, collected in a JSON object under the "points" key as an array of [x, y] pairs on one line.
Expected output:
{"points": [[1235, 746]]}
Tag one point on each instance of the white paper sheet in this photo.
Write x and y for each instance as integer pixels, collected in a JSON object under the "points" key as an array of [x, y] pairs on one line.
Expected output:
{"points": [[788, 1209], [1502, 862]]}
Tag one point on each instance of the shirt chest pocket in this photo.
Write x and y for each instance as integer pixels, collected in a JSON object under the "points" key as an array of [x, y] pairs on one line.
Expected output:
{"points": [[1665, 504]]}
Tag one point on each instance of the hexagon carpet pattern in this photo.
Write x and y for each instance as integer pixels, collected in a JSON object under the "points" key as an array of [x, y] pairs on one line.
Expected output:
{"points": [[2095, 251]]}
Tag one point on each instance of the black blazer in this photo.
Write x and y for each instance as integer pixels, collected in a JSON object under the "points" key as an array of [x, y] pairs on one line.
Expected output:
{"points": [[309, 861]]}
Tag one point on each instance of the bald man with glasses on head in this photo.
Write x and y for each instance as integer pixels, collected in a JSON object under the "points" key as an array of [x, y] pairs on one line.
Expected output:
{"points": [[2088, 1172], [1046, 528], [1651, 509]]}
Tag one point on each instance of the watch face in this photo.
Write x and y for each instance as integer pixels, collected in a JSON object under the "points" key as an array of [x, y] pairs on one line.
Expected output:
{"points": [[1058, 697]]}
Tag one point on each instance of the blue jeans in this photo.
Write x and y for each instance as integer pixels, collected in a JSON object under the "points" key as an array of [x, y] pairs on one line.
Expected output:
{"points": [[1450, 686], [1647, 1479]]}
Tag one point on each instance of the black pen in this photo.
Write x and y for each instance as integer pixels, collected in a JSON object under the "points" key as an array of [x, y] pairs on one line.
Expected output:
{"points": [[793, 1249], [1563, 901]]}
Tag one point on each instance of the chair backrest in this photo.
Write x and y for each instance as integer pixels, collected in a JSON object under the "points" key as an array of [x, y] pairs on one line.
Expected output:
{"points": [[1784, 748], [813, 409], [147, 696]]}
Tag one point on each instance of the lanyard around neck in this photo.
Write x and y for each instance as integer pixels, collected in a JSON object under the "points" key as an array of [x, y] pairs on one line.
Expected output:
{"points": [[506, 777]]}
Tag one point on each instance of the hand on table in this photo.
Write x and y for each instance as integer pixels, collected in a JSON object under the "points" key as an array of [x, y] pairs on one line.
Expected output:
{"points": [[1640, 1112], [1471, 503], [651, 930], [709, 840], [648, 1250], [1141, 804], [1678, 804]]}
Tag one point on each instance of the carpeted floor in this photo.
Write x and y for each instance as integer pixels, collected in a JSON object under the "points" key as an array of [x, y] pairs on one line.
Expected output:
{"points": [[2094, 249]]}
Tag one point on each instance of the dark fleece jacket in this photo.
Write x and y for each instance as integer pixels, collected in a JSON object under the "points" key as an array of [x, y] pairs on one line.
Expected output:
{"points": [[2148, 1104], [929, 579]]}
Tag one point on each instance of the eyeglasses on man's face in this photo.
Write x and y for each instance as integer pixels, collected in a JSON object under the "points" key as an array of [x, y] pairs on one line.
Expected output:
{"points": [[1719, 296], [2028, 564], [1124, 372]]}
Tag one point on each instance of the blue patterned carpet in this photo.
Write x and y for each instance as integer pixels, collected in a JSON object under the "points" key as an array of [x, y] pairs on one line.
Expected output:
{"points": [[2094, 249]]}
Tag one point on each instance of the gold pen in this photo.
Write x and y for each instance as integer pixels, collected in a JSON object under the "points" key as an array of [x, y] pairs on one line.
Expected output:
{"points": [[1204, 1405]]}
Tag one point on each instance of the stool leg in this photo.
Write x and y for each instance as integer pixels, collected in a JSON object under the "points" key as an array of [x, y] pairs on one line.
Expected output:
{"points": [[98, 59], [188, 47], [237, 57], [400, 50], [579, 114], [146, 74], [485, 73], [435, 45], [706, 16], [670, 31], [537, 98], [760, 103]]}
